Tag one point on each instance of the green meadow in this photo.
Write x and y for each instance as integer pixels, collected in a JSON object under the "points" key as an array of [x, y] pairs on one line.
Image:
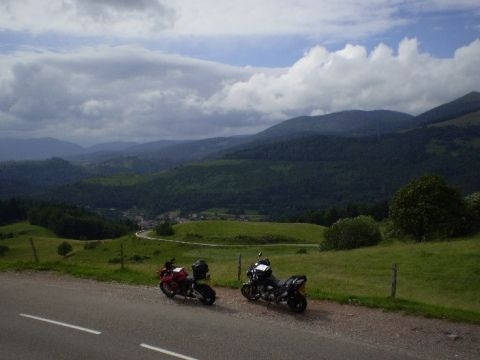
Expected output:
{"points": [[246, 232]]}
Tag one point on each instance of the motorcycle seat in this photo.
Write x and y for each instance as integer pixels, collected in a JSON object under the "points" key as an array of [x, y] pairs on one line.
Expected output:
{"points": [[277, 282]]}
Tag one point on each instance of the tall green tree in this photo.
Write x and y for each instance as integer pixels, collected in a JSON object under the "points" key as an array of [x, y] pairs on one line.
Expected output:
{"points": [[428, 207]]}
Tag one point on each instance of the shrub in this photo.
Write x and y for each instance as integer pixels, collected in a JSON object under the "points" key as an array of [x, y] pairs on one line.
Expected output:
{"points": [[427, 207], [164, 229], [352, 233], [473, 208], [3, 249], [64, 249], [301, 251]]}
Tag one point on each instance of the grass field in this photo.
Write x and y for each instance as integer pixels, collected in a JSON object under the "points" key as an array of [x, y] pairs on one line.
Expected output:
{"points": [[438, 279], [243, 232]]}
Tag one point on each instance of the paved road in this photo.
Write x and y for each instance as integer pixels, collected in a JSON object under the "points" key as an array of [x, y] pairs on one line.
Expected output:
{"points": [[144, 235], [134, 322]]}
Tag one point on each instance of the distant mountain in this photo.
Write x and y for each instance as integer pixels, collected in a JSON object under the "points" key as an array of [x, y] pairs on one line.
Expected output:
{"points": [[288, 177], [151, 146], [34, 177], [111, 146], [456, 108], [349, 123], [197, 149], [470, 119], [36, 149]]}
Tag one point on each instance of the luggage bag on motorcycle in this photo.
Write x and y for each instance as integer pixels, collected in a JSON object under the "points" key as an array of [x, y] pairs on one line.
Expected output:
{"points": [[295, 282], [200, 269]]}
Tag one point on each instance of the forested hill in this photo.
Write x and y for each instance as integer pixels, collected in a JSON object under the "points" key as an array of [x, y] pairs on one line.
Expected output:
{"points": [[34, 177], [412, 146], [347, 123], [454, 109], [291, 176]]}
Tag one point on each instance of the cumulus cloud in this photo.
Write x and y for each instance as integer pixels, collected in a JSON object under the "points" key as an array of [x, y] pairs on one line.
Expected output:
{"points": [[322, 81], [96, 94]]}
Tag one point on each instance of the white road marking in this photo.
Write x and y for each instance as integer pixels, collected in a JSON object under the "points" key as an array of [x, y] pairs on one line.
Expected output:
{"points": [[167, 352], [62, 324]]}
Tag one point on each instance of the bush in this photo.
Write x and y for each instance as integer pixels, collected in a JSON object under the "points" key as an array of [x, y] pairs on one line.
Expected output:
{"points": [[301, 251], [3, 249], [164, 229], [473, 208], [64, 249], [352, 233], [427, 207]]}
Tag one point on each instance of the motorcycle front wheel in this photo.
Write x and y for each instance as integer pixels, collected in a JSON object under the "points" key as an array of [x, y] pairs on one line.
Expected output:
{"points": [[297, 303], [208, 294], [250, 292], [167, 290]]}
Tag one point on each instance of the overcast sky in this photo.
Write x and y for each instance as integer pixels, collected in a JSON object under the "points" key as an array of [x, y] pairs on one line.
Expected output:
{"points": [[91, 71]]}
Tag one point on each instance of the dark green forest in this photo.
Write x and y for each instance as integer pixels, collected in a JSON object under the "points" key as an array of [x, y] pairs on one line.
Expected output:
{"points": [[64, 220], [290, 177]]}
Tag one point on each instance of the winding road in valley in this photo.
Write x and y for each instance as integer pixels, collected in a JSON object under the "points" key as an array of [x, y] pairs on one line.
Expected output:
{"points": [[49, 316], [144, 235]]}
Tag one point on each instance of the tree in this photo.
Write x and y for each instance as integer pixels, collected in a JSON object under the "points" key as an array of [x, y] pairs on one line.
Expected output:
{"points": [[352, 233], [428, 207], [164, 229], [64, 249], [473, 207]]}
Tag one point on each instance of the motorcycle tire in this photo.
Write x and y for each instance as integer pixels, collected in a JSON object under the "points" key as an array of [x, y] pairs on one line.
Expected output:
{"points": [[297, 303], [249, 292], [208, 294], [166, 290]]}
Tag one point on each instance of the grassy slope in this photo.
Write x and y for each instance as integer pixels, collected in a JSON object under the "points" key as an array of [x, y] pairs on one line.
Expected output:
{"points": [[440, 279], [224, 232]]}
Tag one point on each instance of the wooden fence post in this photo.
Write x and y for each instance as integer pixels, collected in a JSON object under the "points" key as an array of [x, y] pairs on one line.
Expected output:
{"points": [[121, 256], [239, 273], [393, 290], [34, 250]]}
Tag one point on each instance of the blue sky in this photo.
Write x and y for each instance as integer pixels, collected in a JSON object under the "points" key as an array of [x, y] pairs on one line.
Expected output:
{"points": [[107, 70]]}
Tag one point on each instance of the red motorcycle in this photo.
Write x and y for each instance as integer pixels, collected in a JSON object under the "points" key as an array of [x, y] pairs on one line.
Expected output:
{"points": [[175, 281]]}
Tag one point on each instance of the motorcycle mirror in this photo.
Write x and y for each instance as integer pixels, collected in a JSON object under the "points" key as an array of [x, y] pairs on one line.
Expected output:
{"points": [[259, 254], [172, 260]]}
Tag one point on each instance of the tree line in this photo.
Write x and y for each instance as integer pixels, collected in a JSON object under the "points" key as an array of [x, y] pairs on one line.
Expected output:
{"points": [[64, 220]]}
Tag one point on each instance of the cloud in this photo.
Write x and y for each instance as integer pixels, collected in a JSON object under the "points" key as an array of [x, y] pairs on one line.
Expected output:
{"points": [[323, 81], [96, 94], [139, 18], [326, 20]]}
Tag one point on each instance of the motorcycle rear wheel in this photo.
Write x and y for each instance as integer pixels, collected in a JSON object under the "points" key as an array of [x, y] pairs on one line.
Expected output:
{"points": [[297, 303], [208, 295], [167, 290], [250, 292]]}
